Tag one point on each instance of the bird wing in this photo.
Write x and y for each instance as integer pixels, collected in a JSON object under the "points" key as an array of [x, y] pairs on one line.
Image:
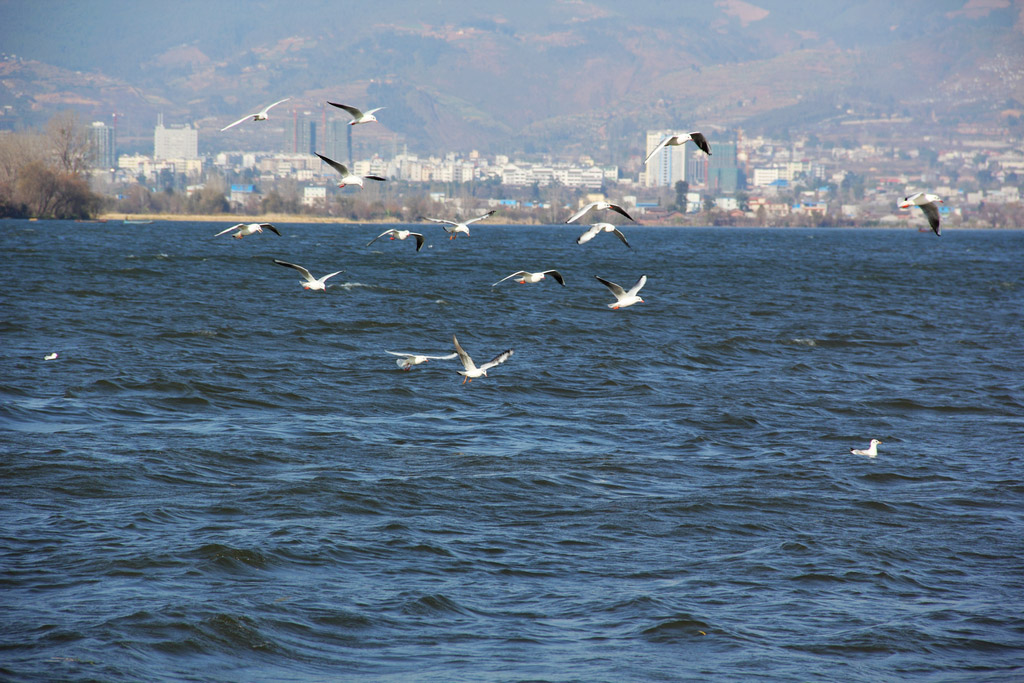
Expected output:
{"points": [[467, 362], [618, 209], [438, 220], [589, 234], [351, 110], [386, 232], [558, 276], [622, 237], [638, 286], [403, 355], [657, 148], [480, 218], [419, 240], [497, 360], [932, 212], [340, 168], [305, 273], [325, 278], [518, 272], [271, 228], [374, 177], [267, 108], [701, 142], [244, 118], [582, 211], [233, 227], [372, 111], [618, 291]]}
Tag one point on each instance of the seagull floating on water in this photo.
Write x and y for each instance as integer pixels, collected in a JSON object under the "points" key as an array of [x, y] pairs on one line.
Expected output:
{"points": [[871, 451], [358, 116], [407, 360], [471, 370], [261, 115], [248, 229], [599, 206], [50, 356], [524, 277], [675, 140], [622, 297], [346, 177], [927, 204], [400, 235], [311, 282], [598, 228], [453, 228]]}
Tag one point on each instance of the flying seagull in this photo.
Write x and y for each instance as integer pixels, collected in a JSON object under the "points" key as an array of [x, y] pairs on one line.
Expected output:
{"points": [[453, 228], [523, 277], [407, 360], [471, 370], [598, 228], [871, 451], [311, 282], [674, 140], [927, 204], [248, 229], [400, 235], [261, 115], [358, 116], [346, 177], [622, 297], [599, 206]]}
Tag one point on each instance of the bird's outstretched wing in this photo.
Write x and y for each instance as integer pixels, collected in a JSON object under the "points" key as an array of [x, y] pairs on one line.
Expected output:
{"points": [[233, 227], [657, 149], [616, 289], [351, 110], [518, 272], [638, 286], [340, 168], [305, 273], [497, 360], [701, 142], [618, 209], [271, 228], [480, 218], [232, 125], [558, 276], [386, 232]]}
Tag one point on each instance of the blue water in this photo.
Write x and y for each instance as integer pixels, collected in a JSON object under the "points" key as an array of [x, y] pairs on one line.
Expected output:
{"points": [[223, 477]]}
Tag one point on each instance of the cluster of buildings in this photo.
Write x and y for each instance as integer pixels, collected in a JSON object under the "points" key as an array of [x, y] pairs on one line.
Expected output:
{"points": [[758, 176]]}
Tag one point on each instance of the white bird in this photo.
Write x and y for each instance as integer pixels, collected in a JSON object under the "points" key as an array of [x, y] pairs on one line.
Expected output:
{"points": [[261, 115], [871, 451], [407, 360], [597, 228], [311, 282], [675, 140], [622, 297], [523, 277], [358, 116], [50, 356], [400, 235], [453, 228], [471, 370], [248, 229], [600, 206], [346, 177], [927, 204]]}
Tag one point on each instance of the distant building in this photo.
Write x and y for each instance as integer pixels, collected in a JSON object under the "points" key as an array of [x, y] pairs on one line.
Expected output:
{"points": [[723, 171], [300, 135], [102, 146], [180, 141], [335, 140]]}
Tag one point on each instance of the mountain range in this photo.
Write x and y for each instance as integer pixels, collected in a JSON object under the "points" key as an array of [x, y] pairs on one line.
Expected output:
{"points": [[565, 77]]}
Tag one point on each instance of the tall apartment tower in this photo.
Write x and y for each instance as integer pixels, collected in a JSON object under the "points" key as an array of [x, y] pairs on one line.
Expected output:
{"points": [[666, 167], [180, 141], [300, 134], [102, 146]]}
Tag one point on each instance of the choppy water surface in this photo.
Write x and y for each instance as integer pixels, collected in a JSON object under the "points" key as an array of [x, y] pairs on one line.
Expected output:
{"points": [[224, 477]]}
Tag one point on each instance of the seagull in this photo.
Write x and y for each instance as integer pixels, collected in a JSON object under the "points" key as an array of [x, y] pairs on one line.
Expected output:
{"points": [[407, 360], [599, 228], [400, 235], [248, 229], [261, 115], [600, 206], [453, 228], [927, 204], [472, 371], [674, 140], [622, 297], [871, 451], [346, 177], [311, 282], [358, 115], [523, 277], [50, 356]]}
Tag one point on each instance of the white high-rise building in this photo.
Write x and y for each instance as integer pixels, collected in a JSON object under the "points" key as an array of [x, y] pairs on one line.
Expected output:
{"points": [[177, 142], [668, 166]]}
